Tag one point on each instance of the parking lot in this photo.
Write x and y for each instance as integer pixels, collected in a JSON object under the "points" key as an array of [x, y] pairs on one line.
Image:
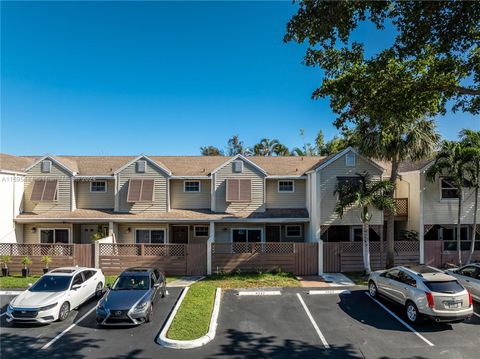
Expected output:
{"points": [[290, 324]]}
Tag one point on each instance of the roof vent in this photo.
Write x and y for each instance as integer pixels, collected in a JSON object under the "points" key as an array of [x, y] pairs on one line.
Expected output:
{"points": [[46, 166], [238, 166]]}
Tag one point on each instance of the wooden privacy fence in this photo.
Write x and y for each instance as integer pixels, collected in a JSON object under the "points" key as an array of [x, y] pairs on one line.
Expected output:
{"points": [[298, 258], [437, 256], [348, 256], [172, 259], [62, 255]]}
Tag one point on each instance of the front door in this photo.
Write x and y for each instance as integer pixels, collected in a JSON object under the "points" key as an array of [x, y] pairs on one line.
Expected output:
{"points": [[87, 231], [180, 234], [272, 233]]}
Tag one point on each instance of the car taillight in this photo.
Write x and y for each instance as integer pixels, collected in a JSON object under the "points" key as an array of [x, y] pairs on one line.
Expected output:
{"points": [[431, 302], [470, 300]]}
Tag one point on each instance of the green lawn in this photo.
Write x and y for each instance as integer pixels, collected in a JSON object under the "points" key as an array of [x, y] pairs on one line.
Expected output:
{"points": [[18, 282], [193, 317], [359, 278]]}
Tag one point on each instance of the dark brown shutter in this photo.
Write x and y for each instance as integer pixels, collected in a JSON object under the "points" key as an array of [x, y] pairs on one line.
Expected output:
{"points": [[134, 190], [37, 192], [245, 190], [233, 187], [147, 190], [50, 192]]}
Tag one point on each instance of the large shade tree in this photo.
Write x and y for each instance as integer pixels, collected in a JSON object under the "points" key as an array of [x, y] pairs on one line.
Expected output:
{"points": [[364, 194]]}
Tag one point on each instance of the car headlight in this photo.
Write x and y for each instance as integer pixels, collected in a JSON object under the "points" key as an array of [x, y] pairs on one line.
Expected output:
{"points": [[10, 307], [48, 307], [101, 305], [141, 306]]}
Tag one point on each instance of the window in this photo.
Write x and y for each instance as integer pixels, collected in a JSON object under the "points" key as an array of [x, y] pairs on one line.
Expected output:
{"points": [[447, 189], [44, 191], [140, 190], [345, 182], [350, 159], [141, 166], [153, 236], [393, 274], [469, 271], [244, 235], [293, 231], [449, 237], [450, 287], [239, 190], [286, 186], [191, 186], [201, 231], [407, 279], [54, 235], [88, 274], [356, 234], [98, 186], [46, 166], [78, 279], [237, 166]]}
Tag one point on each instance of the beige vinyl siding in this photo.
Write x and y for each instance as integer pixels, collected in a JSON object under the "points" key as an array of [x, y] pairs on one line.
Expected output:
{"points": [[160, 189], [64, 199], [32, 238], [410, 184], [445, 211], [87, 199], [190, 200], [123, 236], [296, 199], [328, 200], [257, 177]]}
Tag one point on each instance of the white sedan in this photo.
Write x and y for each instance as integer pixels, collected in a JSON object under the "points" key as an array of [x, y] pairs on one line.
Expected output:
{"points": [[55, 294]]}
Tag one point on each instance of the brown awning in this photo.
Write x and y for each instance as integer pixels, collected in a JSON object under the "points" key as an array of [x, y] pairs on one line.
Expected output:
{"points": [[140, 190], [44, 191]]}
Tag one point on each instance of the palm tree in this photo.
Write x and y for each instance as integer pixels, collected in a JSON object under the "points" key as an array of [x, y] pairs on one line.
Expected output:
{"points": [[266, 147], [236, 147], [453, 160], [210, 151], [395, 141], [365, 194], [471, 140], [281, 150]]}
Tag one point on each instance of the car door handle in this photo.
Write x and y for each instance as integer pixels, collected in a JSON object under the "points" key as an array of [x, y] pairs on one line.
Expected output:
{"points": [[466, 280]]}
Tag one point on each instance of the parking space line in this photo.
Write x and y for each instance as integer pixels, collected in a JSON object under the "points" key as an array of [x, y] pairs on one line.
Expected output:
{"points": [[401, 321], [46, 346], [317, 329], [1, 315], [329, 291], [478, 315], [260, 292]]}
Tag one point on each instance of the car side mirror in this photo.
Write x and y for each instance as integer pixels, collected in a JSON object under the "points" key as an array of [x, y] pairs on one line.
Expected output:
{"points": [[29, 285], [156, 285], [76, 286]]}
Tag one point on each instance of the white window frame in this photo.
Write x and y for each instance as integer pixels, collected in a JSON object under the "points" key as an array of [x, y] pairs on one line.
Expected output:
{"points": [[440, 191], [262, 235], [49, 167], [453, 227], [350, 155], [352, 232], [136, 166], [53, 229], [293, 225], [185, 185], [150, 234], [198, 226], [293, 186], [105, 191]]}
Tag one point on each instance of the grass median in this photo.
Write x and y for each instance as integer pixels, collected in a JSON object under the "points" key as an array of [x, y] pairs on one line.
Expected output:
{"points": [[193, 317]]}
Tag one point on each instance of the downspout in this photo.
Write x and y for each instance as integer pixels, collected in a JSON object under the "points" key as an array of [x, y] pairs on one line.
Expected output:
{"points": [[421, 230]]}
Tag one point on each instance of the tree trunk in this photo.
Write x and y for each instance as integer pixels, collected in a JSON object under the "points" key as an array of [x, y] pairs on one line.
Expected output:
{"points": [[366, 247], [391, 220], [475, 210], [459, 227]]}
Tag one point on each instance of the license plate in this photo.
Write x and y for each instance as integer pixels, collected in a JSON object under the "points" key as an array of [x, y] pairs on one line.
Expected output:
{"points": [[453, 305]]}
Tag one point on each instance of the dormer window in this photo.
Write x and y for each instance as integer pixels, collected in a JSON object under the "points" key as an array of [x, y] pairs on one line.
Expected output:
{"points": [[191, 186], [46, 166], [141, 166], [350, 159], [238, 166]]}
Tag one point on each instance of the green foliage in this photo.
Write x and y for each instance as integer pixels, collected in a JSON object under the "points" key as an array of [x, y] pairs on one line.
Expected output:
{"points": [[435, 56], [210, 151], [46, 260], [96, 236], [26, 261], [409, 235], [5, 260]]}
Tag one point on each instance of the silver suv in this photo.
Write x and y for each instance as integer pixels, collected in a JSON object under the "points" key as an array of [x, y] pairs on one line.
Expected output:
{"points": [[423, 291]]}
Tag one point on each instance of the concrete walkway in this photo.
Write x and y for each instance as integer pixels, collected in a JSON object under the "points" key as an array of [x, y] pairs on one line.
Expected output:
{"points": [[184, 281], [326, 281], [313, 281]]}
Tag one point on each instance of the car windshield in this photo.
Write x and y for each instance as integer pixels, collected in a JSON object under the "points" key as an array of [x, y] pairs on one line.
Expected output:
{"points": [[445, 287], [51, 283], [131, 282]]}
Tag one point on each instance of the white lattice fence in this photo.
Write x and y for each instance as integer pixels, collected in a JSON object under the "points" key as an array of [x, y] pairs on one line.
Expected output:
{"points": [[21, 249]]}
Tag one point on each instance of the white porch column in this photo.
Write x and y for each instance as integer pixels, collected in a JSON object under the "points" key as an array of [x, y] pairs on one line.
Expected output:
{"points": [[211, 239]]}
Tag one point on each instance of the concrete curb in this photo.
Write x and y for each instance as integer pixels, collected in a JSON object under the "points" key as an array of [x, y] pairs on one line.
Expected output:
{"points": [[195, 343], [11, 292]]}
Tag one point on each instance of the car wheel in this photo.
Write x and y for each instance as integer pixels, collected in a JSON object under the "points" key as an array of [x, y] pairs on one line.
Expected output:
{"points": [[412, 313], [372, 289], [99, 290], [64, 311]]}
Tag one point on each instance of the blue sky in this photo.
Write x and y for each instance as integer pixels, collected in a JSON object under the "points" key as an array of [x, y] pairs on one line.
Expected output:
{"points": [[159, 78]]}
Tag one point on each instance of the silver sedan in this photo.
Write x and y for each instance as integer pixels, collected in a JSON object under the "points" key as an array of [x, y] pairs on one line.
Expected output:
{"points": [[469, 276]]}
